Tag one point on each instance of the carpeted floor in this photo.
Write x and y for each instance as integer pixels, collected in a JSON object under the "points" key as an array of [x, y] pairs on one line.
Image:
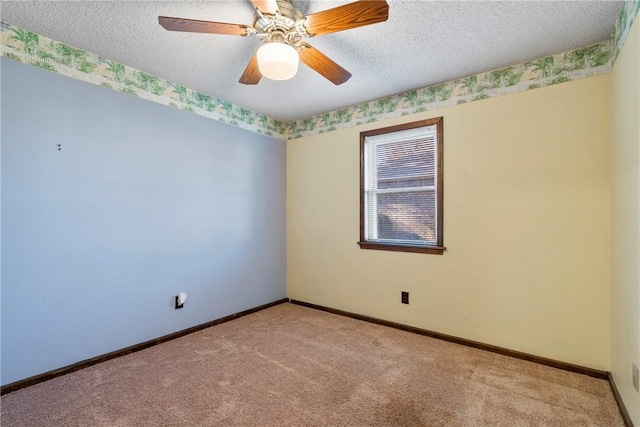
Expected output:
{"points": [[295, 366]]}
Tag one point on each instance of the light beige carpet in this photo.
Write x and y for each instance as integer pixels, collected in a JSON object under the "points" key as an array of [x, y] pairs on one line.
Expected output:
{"points": [[295, 366]]}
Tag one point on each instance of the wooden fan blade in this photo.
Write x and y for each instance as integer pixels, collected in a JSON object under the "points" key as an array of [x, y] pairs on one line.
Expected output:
{"points": [[251, 74], [266, 6], [195, 26], [352, 15], [321, 63]]}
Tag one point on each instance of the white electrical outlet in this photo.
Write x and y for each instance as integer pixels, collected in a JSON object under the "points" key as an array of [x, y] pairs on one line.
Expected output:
{"points": [[634, 377]]}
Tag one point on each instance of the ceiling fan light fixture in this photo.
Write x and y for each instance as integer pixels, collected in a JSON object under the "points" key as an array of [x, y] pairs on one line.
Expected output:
{"points": [[281, 26], [278, 61]]}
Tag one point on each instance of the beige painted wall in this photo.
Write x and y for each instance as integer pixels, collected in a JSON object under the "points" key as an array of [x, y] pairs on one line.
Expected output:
{"points": [[526, 224], [625, 215]]}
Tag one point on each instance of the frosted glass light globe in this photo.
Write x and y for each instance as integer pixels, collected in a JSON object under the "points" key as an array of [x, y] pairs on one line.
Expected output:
{"points": [[278, 61]]}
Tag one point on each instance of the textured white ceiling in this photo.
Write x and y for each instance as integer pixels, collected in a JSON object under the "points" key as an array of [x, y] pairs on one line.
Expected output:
{"points": [[422, 43]]}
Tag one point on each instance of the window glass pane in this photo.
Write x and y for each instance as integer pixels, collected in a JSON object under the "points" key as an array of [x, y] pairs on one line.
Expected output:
{"points": [[406, 164], [407, 216], [401, 187]]}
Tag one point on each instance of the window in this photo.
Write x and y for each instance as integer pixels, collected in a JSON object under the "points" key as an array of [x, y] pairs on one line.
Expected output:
{"points": [[401, 189]]}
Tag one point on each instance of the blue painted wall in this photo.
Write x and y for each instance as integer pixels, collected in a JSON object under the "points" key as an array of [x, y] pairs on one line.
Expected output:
{"points": [[142, 202]]}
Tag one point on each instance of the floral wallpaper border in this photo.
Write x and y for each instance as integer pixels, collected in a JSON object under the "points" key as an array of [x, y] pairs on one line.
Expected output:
{"points": [[560, 68], [563, 67], [623, 25], [30, 48], [25, 46]]}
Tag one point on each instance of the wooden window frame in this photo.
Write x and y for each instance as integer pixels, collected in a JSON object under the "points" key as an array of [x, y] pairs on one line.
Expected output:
{"points": [[438, 248]]}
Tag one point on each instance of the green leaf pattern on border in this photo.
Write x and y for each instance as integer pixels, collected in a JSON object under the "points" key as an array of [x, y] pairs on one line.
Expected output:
{"points": [[624, 22], [29, 40], [563, 67], [25, 46]]}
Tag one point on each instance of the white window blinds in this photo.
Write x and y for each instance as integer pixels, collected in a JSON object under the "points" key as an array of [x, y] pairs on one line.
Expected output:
{"points": [[400, 187]]}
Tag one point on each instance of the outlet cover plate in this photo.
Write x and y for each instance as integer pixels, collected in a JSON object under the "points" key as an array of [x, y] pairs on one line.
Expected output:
{"points": [[405, 297]]}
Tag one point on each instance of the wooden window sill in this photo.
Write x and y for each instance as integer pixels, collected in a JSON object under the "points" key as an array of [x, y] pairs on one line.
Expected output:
{"points": [[436, 250]]}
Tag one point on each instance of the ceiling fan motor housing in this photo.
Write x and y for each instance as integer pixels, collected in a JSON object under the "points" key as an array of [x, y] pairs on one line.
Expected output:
{"points": [[285, 26]]}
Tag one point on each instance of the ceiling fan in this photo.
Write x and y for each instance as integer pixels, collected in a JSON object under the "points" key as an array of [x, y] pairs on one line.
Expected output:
{"points": [[282, 28]]}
